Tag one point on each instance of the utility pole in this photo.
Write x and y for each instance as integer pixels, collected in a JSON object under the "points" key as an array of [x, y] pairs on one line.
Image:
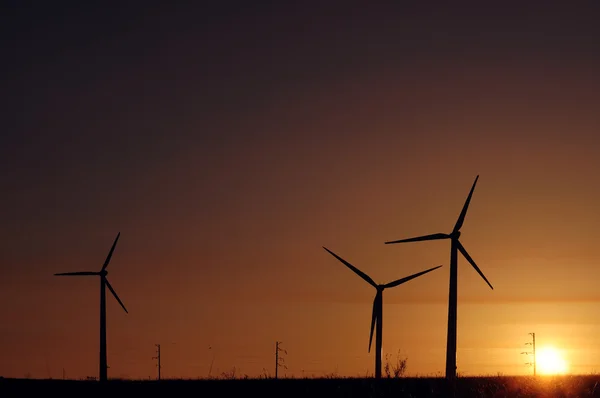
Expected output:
{"points": [[211, 362], [279, 361], [534, 359], [157, 357], [532, 353]]}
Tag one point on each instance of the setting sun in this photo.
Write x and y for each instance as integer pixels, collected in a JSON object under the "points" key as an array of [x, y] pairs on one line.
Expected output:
{"points": [[550, 361]]}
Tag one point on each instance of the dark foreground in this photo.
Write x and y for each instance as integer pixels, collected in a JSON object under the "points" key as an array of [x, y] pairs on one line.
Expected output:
{"points": [[509, 386]]}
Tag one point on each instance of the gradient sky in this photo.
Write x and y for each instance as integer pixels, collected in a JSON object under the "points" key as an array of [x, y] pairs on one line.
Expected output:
{"points": [[229, 143]]}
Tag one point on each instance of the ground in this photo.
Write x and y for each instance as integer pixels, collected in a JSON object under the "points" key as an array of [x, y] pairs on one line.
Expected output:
{"points": [[502, 386]]}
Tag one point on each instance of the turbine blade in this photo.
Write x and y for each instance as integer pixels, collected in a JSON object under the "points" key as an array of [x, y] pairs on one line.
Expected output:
{"points": [[353, 268], [401, 281], [110, 253], [421, 238], [77, 273], [470, 260], [463, 213], [373, 319], [115, 294]]}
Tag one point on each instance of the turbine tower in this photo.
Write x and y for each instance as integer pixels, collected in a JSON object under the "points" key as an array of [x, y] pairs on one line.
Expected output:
{"points": [[103, 284], [377, 315], [455, 247]]}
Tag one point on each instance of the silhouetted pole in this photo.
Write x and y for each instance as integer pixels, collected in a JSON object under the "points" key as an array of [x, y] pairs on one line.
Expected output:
{"points": [[211, 363], [103, 361], [452, 313], [379, 337], [279, 361], [276, 358], [534, 359], [157, 357], [532, 352]]}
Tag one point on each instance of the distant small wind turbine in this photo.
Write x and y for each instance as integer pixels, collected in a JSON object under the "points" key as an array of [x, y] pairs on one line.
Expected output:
{"points": [[103, 283], [455, 247], [377, 316]]}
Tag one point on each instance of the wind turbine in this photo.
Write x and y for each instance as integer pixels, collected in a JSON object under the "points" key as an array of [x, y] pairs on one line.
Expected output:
{"points": [[377, 316], [455, 247], [103, 283]]}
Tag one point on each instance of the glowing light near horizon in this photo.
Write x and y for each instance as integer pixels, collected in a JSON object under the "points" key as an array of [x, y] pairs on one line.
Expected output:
{"points": [[550, 361]]}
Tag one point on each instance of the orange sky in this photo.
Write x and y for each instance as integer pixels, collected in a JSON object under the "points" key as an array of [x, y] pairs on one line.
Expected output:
{"points": [[225, 181]]}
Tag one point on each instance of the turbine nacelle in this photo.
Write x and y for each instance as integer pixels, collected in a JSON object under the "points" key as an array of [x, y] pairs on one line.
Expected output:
{"points": [[454, 236]]}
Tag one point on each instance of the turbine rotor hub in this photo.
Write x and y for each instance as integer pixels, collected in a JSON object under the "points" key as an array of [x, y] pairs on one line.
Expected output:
{"points": [[103, 272], [455, 235]]}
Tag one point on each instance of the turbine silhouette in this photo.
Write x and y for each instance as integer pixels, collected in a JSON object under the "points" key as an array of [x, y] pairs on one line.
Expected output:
{"points": [[455, 247], [377, 316], [103, 283]]}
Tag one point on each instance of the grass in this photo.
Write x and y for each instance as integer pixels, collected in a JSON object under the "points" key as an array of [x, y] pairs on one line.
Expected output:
{"points": [[498, 386]]}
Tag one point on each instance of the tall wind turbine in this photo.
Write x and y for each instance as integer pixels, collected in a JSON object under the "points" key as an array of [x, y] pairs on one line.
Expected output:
{"points": [[377, 316], [455, 247], [103, 283]]}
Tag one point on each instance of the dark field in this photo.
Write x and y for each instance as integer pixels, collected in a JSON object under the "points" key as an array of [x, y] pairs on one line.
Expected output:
{"points": [[509, 386]]}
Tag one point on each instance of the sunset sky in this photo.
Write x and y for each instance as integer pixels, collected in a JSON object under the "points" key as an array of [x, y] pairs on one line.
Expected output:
{"points": [[229, 143]]}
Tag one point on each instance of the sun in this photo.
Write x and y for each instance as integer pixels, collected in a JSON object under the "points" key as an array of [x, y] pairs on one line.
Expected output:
{"points": [[549, 361]]}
